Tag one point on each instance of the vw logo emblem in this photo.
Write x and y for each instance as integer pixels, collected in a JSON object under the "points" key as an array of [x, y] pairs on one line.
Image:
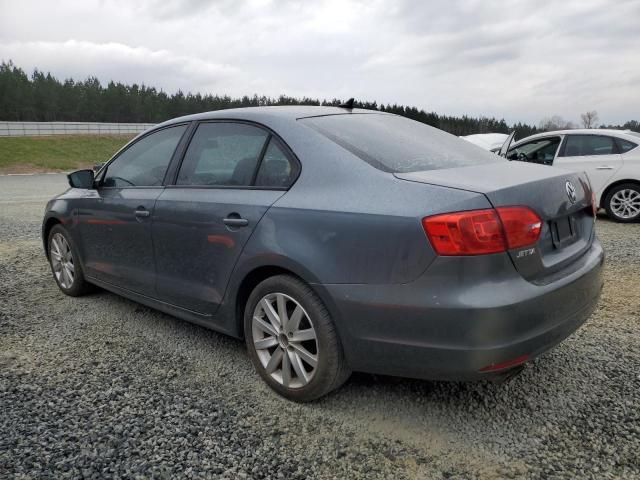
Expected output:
{"points": [[571, 191]]}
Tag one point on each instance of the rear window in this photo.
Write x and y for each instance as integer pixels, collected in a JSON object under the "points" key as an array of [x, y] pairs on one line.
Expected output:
{"points": [[396, 144]]}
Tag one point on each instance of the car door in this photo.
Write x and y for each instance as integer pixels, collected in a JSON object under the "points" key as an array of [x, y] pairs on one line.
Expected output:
{"points": [[231, 173], [597, 155], [115, 222]]}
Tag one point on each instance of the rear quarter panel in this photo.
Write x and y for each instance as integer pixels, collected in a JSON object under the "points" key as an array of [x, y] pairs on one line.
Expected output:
{"points": [[344, 221], [630, 167]]}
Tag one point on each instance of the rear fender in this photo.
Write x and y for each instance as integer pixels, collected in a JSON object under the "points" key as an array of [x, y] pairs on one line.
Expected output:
{"points": [[248, 264]]}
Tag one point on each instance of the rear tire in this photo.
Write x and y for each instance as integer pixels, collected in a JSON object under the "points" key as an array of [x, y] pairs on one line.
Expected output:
{"points": [[622, 203], [65, 263], [306, 343]]}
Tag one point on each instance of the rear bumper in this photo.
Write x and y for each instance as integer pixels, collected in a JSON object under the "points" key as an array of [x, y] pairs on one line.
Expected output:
{"points": [[463, 315]]}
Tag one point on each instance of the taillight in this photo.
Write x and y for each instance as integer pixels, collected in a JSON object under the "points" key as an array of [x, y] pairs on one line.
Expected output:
{"points": [[521, 226], [480, 232], [594, 205], [474, 232]]}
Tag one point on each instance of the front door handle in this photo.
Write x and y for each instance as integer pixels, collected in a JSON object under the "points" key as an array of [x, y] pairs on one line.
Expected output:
{"points": [[142, 213], [235, 221], [604, 167]]}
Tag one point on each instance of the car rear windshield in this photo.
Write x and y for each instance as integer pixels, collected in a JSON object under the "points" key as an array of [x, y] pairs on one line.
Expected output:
{"points": [[396, 144]]}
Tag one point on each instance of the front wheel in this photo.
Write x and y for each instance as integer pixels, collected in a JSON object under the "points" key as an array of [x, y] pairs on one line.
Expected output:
{"points": [[65, 264], [623, 203], [292, 341]]}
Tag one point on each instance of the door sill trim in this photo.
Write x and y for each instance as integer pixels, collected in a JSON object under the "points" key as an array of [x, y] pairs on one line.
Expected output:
{"points": [[131, 293]]}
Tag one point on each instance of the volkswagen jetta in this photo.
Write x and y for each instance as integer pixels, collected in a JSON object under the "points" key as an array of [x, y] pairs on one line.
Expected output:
{"points": [[335, 240]]}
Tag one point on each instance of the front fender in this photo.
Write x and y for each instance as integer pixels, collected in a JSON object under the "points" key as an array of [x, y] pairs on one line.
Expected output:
{"points": [[58, 210]]}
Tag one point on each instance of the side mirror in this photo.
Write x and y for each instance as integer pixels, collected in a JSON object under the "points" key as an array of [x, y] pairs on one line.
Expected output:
{"points": [[81, 179], [98, 166]]}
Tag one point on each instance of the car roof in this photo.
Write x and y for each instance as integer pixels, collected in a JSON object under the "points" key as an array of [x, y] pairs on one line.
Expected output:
{"points": [[281, 112], [582, 131]]}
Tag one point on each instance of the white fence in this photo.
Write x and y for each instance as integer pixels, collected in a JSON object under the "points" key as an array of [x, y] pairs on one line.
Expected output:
{"points": [[23, 129]]}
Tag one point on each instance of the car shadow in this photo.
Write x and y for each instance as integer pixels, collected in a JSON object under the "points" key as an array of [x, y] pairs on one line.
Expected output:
{"points": [[360, 388]]}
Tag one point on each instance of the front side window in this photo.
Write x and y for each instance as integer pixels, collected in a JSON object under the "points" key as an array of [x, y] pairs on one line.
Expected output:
{"points": [[542, 151], [587, 145], [144, 163], [224, 154]]}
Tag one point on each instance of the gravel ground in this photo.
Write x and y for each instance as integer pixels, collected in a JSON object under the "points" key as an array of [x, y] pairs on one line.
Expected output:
{"points": [[102, 387]]}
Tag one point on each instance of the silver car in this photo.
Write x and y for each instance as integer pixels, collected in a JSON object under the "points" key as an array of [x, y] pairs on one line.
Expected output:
{"points": [[336, 240]]}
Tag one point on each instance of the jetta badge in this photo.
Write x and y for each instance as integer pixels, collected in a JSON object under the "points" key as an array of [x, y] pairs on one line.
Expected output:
{"points": [[571, 191]]}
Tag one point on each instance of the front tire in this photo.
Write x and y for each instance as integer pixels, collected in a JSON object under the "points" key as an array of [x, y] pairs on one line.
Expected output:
{"points": [[65, 264], [292, 340], [623, 203]]}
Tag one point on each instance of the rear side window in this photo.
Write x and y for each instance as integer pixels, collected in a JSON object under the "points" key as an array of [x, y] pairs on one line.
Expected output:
{"points": [[222, 154], [625, 145], [587, 145], [396, 144], [276, 169], [144, 163]]}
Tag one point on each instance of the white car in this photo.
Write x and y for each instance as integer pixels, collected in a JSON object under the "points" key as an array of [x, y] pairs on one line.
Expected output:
{"points": [[611, 159]]}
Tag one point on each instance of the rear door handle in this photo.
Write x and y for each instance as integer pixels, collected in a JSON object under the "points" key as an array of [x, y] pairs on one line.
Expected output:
{"points": [[235, 222], [604, 167], [141, 213]]}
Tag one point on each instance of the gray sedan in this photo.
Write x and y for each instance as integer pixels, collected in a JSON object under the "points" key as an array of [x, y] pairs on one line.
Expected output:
{"points": [[335, 240]]}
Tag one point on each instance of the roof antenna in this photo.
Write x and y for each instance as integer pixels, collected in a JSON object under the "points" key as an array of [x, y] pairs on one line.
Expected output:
{"points": [[348, 104]]}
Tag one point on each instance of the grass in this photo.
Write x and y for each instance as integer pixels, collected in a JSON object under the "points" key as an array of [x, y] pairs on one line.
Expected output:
{"points": [[57, 152]]}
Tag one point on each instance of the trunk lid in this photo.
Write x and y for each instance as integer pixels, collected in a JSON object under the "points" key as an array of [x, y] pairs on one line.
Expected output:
{"points": [[562, 200]]}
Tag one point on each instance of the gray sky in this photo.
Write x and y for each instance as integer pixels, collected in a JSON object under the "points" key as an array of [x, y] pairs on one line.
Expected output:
{"points": [[521, 60]]}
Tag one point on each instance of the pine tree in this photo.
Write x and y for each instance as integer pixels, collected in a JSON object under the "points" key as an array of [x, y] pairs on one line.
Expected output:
{"points": [[44, 98]]}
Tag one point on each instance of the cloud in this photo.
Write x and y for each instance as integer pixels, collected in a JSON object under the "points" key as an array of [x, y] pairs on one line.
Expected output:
{"points": [[119, 62], [521, 59]]}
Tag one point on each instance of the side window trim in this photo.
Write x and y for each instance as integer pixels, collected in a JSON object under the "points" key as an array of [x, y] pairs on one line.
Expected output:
{"points": [[176, 159], [563, 146], [260, 158], [171, 182], [103, 171]]}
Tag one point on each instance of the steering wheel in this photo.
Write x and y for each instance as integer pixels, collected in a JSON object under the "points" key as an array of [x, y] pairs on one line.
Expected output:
{"points": [[523, 157]]}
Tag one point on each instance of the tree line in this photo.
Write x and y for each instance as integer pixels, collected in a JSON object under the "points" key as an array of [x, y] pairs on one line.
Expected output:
{"points": [[42, 97]]}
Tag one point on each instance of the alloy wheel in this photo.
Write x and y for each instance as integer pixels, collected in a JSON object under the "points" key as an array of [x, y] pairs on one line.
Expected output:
{"points": [[62, 260], [625, 203], [285, 340]]}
